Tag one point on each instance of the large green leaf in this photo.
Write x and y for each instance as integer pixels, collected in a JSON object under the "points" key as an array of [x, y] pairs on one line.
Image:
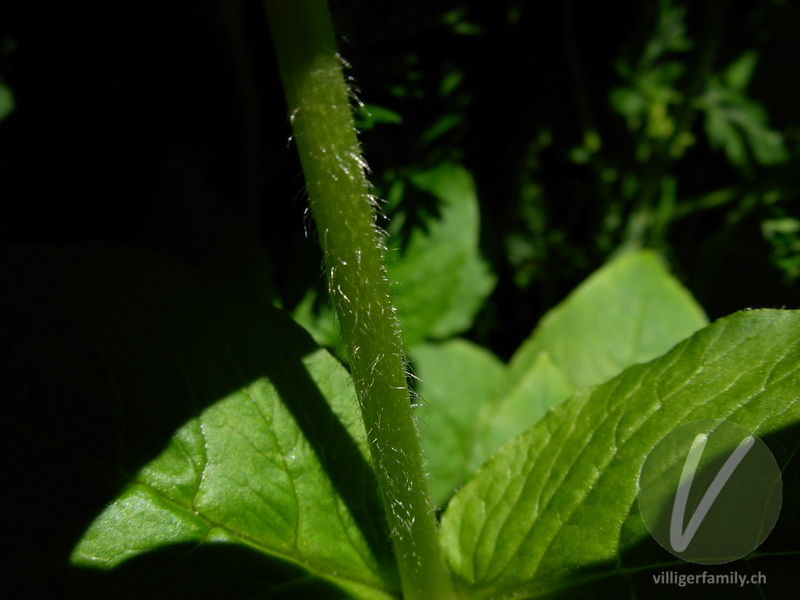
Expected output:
{"points": [[541, 387], [555, 509], [629, 311], [195, 412], [441, 281], [461, 419], [456, 381]]}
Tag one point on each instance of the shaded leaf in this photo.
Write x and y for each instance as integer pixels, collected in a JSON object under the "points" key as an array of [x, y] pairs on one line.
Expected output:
{"points": [[630, 311], [197, 410], [740, 71], [731, 119], [319, 321], [463, 421], [457, 380], [541, 387], [723, 134], [7, 101], [368, 116], [441, 280]]}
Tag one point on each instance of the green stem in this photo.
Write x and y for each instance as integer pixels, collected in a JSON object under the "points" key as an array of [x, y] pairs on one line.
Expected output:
{"points": [[344, 211]]}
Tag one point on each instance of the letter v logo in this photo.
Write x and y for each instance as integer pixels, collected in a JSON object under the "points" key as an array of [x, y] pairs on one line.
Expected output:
{"points": [[680, 540], [710, 491]]}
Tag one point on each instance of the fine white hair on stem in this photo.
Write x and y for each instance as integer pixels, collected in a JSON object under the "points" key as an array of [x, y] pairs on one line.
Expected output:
{"points": [[343, 60]]}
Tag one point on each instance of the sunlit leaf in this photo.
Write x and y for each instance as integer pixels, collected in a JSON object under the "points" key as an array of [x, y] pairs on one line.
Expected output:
{"points": [[555, 509], [632, 310]]}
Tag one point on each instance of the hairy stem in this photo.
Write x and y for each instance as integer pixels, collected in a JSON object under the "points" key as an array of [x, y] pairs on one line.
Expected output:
{"points": [[344, 211]]}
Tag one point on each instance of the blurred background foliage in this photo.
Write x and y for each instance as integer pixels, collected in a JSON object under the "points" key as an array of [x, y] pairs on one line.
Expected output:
{"points": [[583, 131]]}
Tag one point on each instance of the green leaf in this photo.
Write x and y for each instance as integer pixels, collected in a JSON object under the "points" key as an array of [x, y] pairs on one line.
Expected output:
{"points": [[441, 280], [198, 413], [630, 103], [669, 34], [731, 119], [555, 509], [462, 419], [631, 310], [368, 116], [441, 127], [766, 144], [475, 405], [7, 102], [541, 387], [457, 380], [721, 133], [740, 71], [319, 322]]}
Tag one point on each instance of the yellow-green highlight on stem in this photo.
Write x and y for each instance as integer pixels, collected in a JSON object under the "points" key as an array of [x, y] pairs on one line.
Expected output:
{"points": [[344, 211]]}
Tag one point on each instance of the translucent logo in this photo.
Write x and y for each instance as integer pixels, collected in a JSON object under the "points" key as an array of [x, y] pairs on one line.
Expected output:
{"points": [[710, 492]]}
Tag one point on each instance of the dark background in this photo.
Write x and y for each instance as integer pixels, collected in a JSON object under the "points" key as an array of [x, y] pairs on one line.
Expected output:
{"points": [[160, 123]]}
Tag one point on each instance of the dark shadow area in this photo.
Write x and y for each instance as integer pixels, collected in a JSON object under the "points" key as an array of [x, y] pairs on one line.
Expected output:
{"points": [[106, 352], [188, 572], [419, 208]]}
